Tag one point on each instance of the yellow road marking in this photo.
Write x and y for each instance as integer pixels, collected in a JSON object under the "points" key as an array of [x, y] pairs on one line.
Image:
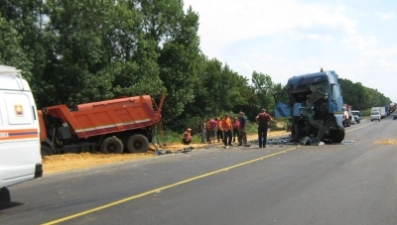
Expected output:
{"points": [[96, 209]]}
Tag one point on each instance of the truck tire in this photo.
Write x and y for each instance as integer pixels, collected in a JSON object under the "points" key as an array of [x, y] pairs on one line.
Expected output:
{"points": [[137, 143], [46, 150], [337, 136], [5, 196], [112, 145]]}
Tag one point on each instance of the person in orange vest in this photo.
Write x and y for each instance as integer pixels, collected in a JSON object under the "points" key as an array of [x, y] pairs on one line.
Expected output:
{"points": [[208, 128], [187, 136], [219, 130], [236, 125], [227, 131]]}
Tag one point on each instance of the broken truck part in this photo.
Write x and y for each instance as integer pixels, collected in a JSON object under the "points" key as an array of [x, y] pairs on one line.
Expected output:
{"points": [[314, 107]]}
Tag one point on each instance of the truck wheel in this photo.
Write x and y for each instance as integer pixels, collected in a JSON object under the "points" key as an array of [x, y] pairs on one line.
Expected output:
{"points": [[46, 150], [137, 143], [112, 145], [5, 196], [337, 136]]}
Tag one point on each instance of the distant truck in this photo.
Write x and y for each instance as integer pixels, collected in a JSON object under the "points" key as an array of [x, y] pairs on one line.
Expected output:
{"points": [[392, 107], [381, 110], [387, 110], [112, 126], [314, 107], [20, 158]]}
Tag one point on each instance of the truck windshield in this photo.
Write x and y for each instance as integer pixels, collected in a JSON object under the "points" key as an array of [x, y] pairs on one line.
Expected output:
{"points": [[335, 91]]}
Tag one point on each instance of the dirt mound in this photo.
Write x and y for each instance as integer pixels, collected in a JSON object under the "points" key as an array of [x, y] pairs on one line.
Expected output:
{"points": [[66, 162]]}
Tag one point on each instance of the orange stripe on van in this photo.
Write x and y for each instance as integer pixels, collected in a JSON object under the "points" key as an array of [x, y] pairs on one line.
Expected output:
{"points": [[18, 134]]}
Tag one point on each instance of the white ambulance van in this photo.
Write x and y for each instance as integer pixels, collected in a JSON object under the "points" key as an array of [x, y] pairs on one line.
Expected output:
{"points": [[20, 157]]}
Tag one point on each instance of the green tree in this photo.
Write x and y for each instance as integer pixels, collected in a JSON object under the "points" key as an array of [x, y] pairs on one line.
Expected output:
{"points": [[27, 19], [12, 54], [134, 55], [264, 89], [179, 57], [77, 31], [361, 97]]}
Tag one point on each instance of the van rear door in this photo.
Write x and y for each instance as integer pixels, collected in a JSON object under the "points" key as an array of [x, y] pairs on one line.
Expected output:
{"points": [[20, 158]]}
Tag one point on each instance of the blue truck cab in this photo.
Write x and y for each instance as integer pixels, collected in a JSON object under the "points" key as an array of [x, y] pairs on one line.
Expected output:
{"points": [[314, 107]]}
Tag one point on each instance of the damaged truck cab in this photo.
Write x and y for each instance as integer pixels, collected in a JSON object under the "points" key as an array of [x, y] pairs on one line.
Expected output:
{"points": [[314, 107]]}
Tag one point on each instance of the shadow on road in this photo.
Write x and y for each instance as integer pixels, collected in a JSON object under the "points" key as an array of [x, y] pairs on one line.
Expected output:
{"points": [[8, 205]]}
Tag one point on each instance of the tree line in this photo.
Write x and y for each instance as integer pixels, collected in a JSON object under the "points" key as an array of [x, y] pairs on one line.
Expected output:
{"points": [[80, 51]]}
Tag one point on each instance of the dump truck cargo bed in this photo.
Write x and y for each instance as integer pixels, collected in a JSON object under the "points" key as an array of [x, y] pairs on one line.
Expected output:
{"points": [[99, 118]]}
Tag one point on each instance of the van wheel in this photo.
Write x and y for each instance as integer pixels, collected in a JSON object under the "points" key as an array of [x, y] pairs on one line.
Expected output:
{"points": [[46, 150], [137, 143], [112, 145], [5, 196]]}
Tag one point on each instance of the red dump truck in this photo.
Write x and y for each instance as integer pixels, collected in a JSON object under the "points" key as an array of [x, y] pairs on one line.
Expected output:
{"points": [[112, 126]]}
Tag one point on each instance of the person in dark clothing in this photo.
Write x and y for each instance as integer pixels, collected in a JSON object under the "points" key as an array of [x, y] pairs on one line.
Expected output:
{"points": [[262, 119], [242, 138]]}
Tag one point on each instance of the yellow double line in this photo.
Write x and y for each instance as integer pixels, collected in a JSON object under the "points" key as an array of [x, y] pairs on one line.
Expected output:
{"points": [[124, 200]]}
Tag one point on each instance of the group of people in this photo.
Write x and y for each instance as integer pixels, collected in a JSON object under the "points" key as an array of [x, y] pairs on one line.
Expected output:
{"points": [[227, 131], [224, 130]]}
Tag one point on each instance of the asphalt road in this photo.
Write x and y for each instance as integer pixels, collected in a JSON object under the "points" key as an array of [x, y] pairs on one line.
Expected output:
{"points": [[353, 183]]}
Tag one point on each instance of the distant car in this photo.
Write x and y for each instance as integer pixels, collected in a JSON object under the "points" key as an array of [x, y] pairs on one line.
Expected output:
{"points": [[357, 115], [375, 116]]}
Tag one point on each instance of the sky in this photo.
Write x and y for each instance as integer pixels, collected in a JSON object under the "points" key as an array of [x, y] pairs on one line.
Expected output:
{"points": [[281, 38]]}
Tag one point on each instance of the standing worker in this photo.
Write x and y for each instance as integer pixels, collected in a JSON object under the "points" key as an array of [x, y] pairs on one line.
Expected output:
{"points": [[213, 125], [208, 128], [219, 131], [242, 138], [227, 130], [236, 125], [203, 129], [262, 119]]}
